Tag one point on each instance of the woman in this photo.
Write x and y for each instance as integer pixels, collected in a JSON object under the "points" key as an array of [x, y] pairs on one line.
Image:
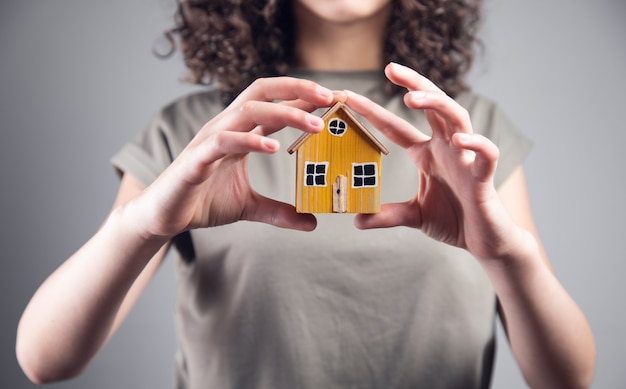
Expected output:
{"points": [[260, 306]]}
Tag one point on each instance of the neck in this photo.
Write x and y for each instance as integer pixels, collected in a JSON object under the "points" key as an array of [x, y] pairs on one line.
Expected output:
{"points": [[339, 46]]}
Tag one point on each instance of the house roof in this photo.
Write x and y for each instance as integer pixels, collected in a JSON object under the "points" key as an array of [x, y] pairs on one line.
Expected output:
{"points": [[341, 106]]}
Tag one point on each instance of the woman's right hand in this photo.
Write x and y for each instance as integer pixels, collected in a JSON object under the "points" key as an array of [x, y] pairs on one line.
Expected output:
{"points": [[207, 184]]}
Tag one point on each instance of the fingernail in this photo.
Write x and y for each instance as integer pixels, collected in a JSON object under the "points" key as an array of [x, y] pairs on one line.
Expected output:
{"points": [[417, 95], [271, 144], [349, 94], [324, 92], [463, 137], [315, 121], [398, 67]]}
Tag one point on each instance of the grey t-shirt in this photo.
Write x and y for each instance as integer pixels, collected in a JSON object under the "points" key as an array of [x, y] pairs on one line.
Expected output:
{"points": [[263, 307]]}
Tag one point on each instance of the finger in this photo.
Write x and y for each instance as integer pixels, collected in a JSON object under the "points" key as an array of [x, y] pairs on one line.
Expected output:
{"points": [[285, 88], [487, 154], [424, 94], [264, 118], [456, 117], [299, 94], [303, 105], [310, 107], [408, 78], [261, 118], [393, 127], [224, 143], [391, 215], [279, 214], [270, 117], [438, 124]]}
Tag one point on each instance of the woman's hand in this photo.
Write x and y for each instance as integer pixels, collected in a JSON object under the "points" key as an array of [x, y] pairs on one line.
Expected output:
{"points": [[456, 202], [207, 185]]}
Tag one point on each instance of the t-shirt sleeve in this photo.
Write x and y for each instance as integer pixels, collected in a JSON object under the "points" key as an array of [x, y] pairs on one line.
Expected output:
{"points": [[147, 155], [489, 120], [514, 147], [165, 136]]}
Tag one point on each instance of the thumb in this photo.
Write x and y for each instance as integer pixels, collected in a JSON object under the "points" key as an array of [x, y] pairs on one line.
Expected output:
{"points": [[279, 214], [391, 215]]}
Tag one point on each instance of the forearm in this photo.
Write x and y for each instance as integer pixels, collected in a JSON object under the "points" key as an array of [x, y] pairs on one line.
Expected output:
{"points": [[549, 334], [71, 315]]}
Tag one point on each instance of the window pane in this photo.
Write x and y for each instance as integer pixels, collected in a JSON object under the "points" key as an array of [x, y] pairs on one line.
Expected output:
{"points": [[358, 182], [319, 180], [309, 180], [310, 168], [370, 170], [358, 170], [320, 169], [332, 126], [337, 127], [370, 181]]}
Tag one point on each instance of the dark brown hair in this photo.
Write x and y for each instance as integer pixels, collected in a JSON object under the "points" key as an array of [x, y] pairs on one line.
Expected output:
{"points": [[233, 42]]}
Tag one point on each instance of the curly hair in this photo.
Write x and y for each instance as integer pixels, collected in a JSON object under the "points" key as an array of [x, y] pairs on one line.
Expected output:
{"points": [[233, 42]]}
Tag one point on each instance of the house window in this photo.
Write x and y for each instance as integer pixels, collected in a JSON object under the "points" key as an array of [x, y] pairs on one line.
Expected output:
{"points": [[337, 126], [364, 175], [315, 173]]}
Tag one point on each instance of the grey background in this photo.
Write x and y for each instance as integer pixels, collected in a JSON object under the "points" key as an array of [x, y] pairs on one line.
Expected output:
{"points": [[77, 80]]}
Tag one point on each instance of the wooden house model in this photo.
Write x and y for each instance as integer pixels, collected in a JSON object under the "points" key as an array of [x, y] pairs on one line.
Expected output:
{"points": [[338, 169]]}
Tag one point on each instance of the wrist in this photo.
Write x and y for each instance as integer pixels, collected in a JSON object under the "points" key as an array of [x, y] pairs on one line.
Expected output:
{"points": [[131, 220], [521, 250], [520, 261]]}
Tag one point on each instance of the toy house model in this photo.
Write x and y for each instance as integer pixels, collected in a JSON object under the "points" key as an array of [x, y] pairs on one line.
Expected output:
{"points": [[338, 169]]}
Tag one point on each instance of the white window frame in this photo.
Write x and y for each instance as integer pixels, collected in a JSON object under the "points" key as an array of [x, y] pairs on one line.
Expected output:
{"points": [[364, 176], [338, 121], [315, 174]]}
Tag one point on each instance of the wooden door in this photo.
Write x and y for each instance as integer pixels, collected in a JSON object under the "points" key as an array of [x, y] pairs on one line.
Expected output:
{"points": [[340, 194]]}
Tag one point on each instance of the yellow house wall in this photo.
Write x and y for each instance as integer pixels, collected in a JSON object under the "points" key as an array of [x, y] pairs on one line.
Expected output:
{"points": [[340, 152]]}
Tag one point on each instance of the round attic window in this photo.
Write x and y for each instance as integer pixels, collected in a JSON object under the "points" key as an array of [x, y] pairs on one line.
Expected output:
{"points": [[337, 127]]}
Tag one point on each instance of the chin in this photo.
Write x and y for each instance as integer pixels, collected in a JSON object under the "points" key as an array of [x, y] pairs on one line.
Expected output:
{"points": [[343, 11]]}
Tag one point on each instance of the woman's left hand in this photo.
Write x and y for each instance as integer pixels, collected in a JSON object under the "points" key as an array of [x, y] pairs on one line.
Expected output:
{"points": [[456, 202]]}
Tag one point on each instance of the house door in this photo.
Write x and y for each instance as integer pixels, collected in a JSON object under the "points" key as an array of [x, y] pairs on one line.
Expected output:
{"points": [[340, 194]]}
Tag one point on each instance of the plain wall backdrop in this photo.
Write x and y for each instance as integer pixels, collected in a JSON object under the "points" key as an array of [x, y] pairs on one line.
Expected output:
{"points": [[78, 80]]}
